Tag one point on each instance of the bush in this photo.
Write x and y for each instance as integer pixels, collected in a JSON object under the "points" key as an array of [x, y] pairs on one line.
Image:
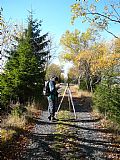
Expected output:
{"points": [[18, 110], [106, 100]]}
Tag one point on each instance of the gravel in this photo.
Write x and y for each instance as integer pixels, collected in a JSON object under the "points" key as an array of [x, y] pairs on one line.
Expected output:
{"points": [[84, 140]]}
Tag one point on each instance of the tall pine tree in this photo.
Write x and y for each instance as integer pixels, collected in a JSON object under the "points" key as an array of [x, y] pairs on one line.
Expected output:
{"points": [[33, 55], [24, 73]]}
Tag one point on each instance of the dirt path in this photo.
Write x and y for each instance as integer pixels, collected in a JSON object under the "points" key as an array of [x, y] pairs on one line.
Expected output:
{"points": [[69, 139]]}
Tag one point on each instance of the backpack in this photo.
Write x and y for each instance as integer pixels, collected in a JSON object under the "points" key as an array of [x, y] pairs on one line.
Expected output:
{"points": [[46, 89]]}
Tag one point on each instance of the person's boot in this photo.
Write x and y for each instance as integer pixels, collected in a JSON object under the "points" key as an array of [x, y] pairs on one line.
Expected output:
{"points": [[54, 119], [49, 118]]}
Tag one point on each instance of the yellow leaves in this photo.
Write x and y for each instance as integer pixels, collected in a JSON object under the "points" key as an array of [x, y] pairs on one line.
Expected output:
{"points": [[75, 9], [77, 32], [115, 57], [83, 14], [104, 62], [86, 54], [117, 45], [102, 49], [69, 38], [1, 24], [6, 134], [73, 72], [70, 43], [68, 57], [98, 59], [75, 6], [86, 36]]}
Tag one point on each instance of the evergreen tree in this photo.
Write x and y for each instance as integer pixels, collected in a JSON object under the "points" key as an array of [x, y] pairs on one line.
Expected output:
{"points": [[33, 55], [24, 73]]}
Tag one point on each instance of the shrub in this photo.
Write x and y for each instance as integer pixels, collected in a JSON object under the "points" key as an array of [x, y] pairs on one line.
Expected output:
{"points": [[106, 100]]}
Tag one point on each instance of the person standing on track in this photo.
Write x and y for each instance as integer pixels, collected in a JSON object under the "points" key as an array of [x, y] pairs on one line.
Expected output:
{"points": [[52, 98]]}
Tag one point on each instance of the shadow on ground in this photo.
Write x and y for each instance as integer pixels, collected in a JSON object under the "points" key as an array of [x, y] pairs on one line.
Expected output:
{"points": [[82, 104], [61, 146], [67, 145]]}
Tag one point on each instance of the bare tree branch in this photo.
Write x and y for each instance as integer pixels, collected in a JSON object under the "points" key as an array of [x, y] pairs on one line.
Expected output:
{"points": [[111, 33], [115, 11], [102, 15]]}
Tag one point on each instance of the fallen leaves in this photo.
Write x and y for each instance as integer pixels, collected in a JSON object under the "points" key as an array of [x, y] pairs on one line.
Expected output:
{"points": [[13, 148], [6, 134]]}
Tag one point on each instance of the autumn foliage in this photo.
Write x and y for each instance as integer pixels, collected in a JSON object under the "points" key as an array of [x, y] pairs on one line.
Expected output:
{"points": [[98, 68]]}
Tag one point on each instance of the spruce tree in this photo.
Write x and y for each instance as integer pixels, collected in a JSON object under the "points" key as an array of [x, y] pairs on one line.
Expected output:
{"points": [[25, 70], [33, 55]]}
